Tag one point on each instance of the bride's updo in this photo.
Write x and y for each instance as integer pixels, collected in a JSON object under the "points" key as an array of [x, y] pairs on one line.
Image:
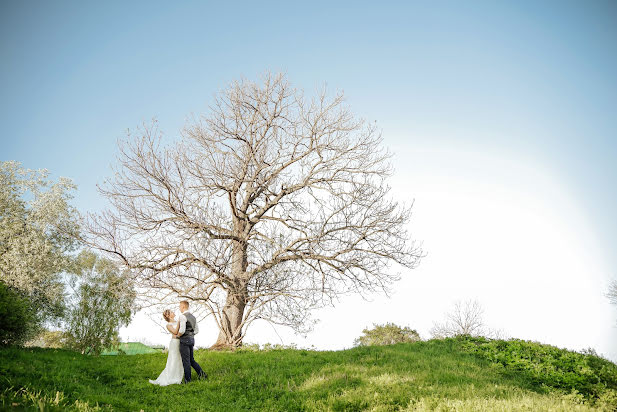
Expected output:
{"points": [[167, 314]]}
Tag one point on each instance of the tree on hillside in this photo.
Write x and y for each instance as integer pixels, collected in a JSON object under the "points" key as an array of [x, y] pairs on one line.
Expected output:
{"points": [[102, 302], [387, 334], [465, 319], [271, 205], [38, 228], [612, 292]]}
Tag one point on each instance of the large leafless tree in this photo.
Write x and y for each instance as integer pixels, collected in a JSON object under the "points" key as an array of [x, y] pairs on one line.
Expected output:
{"points": [[269, 206]]}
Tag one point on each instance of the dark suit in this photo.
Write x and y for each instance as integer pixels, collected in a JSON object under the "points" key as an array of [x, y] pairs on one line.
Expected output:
{"points": [[187, 342]]}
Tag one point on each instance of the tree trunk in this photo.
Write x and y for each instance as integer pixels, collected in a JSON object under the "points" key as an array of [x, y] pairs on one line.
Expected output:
{"points": [[230, 334]]}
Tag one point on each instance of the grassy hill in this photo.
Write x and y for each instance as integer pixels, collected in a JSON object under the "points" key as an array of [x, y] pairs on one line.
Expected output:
{"points": [[454, 374], [131, 348]]}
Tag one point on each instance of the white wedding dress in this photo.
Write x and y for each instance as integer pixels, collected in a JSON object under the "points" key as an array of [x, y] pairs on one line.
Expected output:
{"points": [[173, 372]]}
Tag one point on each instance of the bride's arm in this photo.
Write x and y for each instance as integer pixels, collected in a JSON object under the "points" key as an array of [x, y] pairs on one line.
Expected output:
{"points": [[172, 330], [175, 331]]}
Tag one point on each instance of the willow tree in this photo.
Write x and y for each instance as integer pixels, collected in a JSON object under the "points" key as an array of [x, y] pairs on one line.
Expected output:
{"points": [[38, 228], [270, 205]]}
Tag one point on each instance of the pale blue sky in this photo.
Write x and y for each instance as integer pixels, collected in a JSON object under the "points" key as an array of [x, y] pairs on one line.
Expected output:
{"points": [[535, 80]]}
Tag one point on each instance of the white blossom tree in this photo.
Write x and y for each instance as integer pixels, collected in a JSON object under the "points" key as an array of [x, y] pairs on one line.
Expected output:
{"points": [[38, 231], [269, 206]]}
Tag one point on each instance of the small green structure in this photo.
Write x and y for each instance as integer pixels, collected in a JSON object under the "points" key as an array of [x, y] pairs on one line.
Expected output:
{"points": [[132, 348]]}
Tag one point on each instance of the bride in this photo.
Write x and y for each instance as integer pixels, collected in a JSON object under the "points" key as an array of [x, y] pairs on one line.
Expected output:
{"points": [[173, 371]]}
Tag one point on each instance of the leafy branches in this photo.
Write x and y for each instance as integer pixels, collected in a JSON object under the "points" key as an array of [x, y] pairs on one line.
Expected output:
{"points": [[102, 302], [387, 334], [38, 230]]}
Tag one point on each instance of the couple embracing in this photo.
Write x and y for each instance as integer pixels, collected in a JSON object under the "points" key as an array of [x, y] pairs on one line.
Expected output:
{"points": [[180, 356]]}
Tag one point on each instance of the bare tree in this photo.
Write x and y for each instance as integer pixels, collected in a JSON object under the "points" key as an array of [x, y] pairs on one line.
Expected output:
{"points": [[270, 206], [612, 292], [465, 319]]}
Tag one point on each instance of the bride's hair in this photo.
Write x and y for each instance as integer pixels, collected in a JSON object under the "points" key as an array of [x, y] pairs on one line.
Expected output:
{"points": [[167, 314]]}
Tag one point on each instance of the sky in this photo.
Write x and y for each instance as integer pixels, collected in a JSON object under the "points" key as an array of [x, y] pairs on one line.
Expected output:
{"points": [[501, 117]]}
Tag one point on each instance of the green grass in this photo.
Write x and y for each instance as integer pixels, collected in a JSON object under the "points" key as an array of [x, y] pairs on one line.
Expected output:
{"points": [[130, 348], [424, 376]]}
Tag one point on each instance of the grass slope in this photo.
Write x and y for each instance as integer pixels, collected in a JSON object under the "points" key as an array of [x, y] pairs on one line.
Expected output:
{"points": [[131, 348], [443, 375]]}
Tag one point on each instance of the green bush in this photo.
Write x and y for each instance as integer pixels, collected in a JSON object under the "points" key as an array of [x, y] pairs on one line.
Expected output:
{"points": [[55, 339], [545, 365], [387, 334], [19, 321], [102, 303]]}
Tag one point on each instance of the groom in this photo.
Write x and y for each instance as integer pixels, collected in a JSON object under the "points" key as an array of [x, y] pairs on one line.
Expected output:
{"points": [[188, 328]]}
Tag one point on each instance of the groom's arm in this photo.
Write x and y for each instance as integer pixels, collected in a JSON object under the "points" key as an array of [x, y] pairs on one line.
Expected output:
{"points": [[182, 325]]}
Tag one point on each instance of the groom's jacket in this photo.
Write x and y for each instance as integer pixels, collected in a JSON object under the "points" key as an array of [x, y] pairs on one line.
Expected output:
{"points": [[188, 325]]}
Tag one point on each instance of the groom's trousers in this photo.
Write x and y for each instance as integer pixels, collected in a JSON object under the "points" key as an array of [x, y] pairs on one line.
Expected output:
{"points": [[186, 353]]}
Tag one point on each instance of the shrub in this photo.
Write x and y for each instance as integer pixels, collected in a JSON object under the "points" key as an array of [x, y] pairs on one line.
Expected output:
{"points": [[545, 365], [102, 303], [50, 339], [19, 317], [387, 334]]}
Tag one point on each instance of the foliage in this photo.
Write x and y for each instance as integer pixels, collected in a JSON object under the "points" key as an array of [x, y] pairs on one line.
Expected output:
{"points": [[129, 348], [19, 317], [38, 228], [612, 292], [102, 303], [586, 373], [29, 398], [387, 334], [50, 339], [437, 375]]}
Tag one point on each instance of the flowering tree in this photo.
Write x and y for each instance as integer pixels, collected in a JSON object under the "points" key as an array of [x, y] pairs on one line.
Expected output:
{"points": [[38, 228]]}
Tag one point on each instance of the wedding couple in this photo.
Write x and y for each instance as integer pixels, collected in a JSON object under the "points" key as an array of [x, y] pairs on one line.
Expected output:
{"points": [[180, 356]]}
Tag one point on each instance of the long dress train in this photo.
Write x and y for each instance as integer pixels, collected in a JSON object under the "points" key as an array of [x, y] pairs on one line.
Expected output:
{"points": [[173, 372]]}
